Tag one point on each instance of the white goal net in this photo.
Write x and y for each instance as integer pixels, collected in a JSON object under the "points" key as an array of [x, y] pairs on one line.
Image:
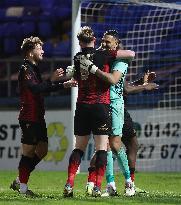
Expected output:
{"points": [[153, 30]]}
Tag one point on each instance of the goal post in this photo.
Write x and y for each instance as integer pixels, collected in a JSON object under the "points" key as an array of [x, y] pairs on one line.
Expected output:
{"points": [[76, 24]]}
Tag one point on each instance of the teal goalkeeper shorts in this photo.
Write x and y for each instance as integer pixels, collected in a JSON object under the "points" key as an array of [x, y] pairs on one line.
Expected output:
{"points": [[117, 111]]}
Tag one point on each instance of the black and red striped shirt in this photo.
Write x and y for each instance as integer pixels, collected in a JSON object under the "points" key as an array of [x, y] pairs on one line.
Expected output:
{"points": [[31, 88], [91, 89]]}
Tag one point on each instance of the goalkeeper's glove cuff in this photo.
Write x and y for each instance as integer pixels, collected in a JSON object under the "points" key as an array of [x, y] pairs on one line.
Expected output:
{"points": [[93, 69]]}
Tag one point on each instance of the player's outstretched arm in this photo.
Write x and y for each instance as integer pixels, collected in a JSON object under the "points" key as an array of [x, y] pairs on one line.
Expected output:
{"points": [[130, 88], [125, 54], [45, 86], [70, 83], [57, 74], [112, 78], [148, 77]]}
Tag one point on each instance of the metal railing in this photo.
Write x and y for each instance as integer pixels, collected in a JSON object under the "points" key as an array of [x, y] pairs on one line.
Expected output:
{"points": [[9, 69]]}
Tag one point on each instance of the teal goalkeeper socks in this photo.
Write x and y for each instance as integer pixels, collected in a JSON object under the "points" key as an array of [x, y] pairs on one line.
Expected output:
{"points": [[123, 163], [109, 168]]}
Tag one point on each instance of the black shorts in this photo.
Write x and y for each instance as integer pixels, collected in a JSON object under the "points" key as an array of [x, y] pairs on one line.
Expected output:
{"points": [[33, 132], [94, 118], [128, 127]]}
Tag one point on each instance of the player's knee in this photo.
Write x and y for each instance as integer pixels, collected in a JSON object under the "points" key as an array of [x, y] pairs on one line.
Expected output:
{"points": [[41, 153], [115, 151], [115, 146], [101, 158]]}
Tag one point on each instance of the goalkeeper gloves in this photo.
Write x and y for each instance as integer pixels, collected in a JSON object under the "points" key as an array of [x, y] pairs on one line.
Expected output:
{"points": [[70, 71], [87, 65]]}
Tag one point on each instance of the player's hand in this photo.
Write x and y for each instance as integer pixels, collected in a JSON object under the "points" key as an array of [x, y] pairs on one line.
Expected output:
{"points": [[86, 64], [151, 86], [70, 83], [57, 74], [70, 71], [149, 77]]}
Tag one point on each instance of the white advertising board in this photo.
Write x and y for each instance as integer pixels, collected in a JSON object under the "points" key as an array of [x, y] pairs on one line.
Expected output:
{"points": [[158, 131], [59, 135]]}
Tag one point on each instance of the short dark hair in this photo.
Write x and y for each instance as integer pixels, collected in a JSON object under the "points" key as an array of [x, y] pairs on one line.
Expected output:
{"points": [[86, 34], [29, 44], [115, 34]]}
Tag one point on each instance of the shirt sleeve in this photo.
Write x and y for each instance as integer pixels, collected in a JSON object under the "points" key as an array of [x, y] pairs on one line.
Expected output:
{"points": [[76, 75], [45, 86], [120, 66]]}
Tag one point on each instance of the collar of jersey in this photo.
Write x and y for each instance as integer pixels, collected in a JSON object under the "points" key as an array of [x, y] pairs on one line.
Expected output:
{"points": [[88, 49], [26, 61]]}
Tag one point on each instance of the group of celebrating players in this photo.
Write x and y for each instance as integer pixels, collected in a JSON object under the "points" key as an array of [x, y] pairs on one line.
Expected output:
{"points": [[100, 110]]}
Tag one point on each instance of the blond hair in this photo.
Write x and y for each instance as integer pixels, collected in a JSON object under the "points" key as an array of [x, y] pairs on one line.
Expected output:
{"points": [[85, 35], [29, 44]]}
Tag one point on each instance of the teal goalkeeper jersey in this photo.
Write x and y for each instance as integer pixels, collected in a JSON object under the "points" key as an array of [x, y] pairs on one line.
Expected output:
{"points": [[116, 91]]}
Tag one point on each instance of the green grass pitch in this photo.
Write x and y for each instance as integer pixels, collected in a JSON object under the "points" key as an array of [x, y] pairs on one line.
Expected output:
{"points": [[163, 188]]}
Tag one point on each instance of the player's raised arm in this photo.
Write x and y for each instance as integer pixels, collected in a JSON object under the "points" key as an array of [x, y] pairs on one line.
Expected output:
{"points": [[130, 88], [125, 54]]}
